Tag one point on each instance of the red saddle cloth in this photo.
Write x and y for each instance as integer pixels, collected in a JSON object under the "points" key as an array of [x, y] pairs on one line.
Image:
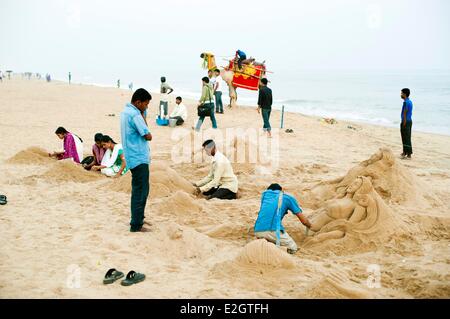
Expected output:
{"points": [[248, 76]]}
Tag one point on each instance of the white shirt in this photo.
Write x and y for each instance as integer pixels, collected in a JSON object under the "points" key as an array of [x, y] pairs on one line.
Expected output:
{"points": [[179, 110], [219, 82], [212, 82]]}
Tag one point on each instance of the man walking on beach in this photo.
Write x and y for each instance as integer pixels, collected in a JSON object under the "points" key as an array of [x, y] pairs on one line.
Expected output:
{"points": [[406, 124], [265, 105], [135, 136], [70, 77]]}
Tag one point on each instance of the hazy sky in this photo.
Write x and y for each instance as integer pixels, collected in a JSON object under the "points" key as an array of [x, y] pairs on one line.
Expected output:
{"points": [[88, 36]]}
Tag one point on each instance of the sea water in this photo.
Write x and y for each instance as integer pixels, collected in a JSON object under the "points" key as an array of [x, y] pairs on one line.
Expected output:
{"points": [[366, 96]]}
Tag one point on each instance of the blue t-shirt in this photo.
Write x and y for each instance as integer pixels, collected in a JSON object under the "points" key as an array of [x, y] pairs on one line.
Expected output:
{"points": [[266, 220], [408, 106], [241, 54], [133, 129]]}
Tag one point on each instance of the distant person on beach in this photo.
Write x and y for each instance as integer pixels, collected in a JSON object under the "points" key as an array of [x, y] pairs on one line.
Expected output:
{"points": [[70, 77], [113, 163], [265, 105], [275, 204], [218, 86], [164, 98], [406, 124], [118, 83], [179, 113], [221, 183], [97, 153], [130, 86], [206, 105], [72, 146], [135, 137]]}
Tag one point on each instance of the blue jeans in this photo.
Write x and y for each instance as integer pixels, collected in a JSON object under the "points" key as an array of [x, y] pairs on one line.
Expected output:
{"points": [[202, 118], [219, 104], [266, 116], [140, 188]]}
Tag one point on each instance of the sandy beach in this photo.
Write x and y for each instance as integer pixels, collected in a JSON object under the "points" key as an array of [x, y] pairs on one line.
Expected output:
{"points": [[61, 220]]}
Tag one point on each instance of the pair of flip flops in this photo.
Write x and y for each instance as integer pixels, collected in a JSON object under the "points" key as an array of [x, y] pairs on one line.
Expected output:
{"points": [[3, 200], [112, 275]]}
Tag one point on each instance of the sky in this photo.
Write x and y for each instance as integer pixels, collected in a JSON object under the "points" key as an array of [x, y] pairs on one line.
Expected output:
{"points": [[115, 37]]}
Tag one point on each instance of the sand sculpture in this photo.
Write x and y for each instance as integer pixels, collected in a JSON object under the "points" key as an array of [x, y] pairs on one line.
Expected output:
{"points": [[391, 180], [355, 216]]}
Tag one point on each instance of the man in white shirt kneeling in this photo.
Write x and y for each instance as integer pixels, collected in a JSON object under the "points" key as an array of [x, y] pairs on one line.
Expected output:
{"points": [[179, 113], [221, 182]]}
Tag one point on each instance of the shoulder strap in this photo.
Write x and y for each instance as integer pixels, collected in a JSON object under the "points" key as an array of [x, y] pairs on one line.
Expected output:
{"points": [[278, 214]]}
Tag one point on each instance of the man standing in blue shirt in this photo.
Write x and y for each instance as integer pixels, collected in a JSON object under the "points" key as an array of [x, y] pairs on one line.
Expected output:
{"points": [[135, 137], [406, 124], [274, 206]]}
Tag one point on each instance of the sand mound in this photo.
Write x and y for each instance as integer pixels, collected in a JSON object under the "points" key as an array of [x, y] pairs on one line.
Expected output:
{"points": [[164, 182], [391, 180], [66, 171], [179, 203], [337, 285], [261, 252], [31, 155]]}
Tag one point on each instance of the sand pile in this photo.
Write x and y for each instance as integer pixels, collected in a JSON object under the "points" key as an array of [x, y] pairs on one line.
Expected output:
{"points": [[178, 204], [338, 285], [67, 170], [391, 180], [163, 179], [261, 252], [32, 156]]}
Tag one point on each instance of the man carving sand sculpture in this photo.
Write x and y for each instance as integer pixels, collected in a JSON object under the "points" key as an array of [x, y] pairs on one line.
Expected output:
{"points": [[358, 212], [274, 206], [221, 182]]}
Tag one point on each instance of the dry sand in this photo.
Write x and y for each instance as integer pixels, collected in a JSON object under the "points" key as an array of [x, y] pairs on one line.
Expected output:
{"points": [[60, 218]]}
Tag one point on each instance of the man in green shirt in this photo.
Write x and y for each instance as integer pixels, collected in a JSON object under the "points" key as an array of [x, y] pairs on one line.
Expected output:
{"points": [[206, 101]]}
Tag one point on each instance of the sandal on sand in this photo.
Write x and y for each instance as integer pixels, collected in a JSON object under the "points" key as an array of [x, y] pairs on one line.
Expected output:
{"points": [[133, 278], [112, 275], [3, 200]]}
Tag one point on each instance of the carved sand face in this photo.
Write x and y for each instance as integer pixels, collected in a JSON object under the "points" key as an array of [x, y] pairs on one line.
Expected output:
{"points": [[354, 186], [375, 157]]}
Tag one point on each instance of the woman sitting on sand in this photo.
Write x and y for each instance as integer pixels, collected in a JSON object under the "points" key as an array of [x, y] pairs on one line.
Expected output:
{"points": [[113, 162], [97, 153], [72, 146]]}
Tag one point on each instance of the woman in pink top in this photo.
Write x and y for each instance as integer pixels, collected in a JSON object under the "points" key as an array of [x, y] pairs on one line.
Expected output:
{"points": [[97, 153], [73, 147]]}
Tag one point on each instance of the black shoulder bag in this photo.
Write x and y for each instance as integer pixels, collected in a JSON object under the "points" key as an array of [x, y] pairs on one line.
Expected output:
{"points": [[205, 109]]}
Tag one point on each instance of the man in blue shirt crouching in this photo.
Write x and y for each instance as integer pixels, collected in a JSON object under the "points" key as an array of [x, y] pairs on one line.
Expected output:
{"points": [[274, 206]]}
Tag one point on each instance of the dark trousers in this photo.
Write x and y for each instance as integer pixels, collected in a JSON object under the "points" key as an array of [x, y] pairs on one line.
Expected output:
{"points": [[220, 193], [179, 119], [405, 131], [140, 188], [219, 104], [266, 118]]}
